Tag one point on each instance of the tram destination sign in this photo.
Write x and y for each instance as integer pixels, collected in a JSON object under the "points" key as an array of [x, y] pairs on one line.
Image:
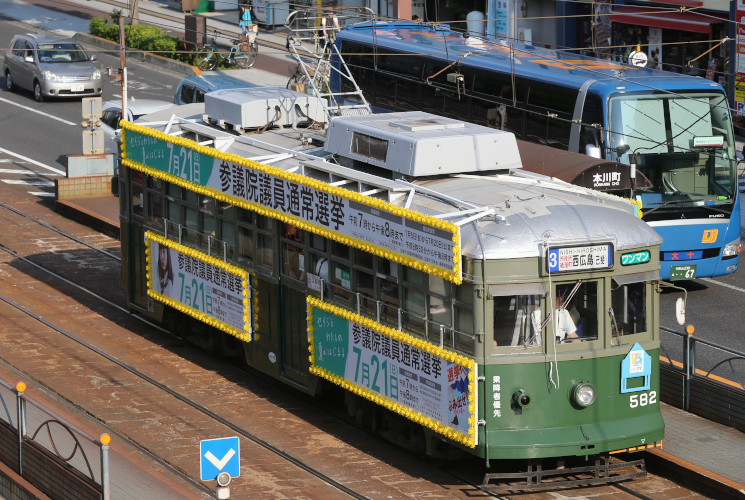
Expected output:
{"points": [[578, 258], [412, 238], [206, 288], [421, 381]]}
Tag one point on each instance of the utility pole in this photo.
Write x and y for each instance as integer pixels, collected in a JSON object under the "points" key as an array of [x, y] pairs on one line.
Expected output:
{"points": [[134, 11], [123, 67]]}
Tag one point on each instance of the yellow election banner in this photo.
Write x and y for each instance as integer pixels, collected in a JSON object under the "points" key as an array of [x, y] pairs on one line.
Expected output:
{"points": [[209, 289], [428, 384], [406, 236]]}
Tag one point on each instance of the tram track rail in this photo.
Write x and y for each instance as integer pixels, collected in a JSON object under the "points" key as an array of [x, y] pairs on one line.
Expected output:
{"points": [[135, 371], [184, 399]]}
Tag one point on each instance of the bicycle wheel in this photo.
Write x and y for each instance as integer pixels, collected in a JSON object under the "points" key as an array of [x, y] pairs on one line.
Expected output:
{"points": [[205, 59], [245, 55], [298, 82]]}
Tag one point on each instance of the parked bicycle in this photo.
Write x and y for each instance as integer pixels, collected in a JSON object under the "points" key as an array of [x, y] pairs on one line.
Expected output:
{"points": [[298, 80], [243, 53]]}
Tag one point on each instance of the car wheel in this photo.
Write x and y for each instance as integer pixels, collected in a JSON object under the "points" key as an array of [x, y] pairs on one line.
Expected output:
{"points": [[37, 92], [9, 85]]}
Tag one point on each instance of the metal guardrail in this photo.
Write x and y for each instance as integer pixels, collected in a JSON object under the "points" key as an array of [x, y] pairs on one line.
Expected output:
{"points": [[64, 444], [708, 381]]}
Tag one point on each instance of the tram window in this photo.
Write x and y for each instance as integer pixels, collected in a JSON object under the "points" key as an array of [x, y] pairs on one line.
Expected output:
{"points": [[154, 183], [363, 259], [209, 224], [340, 250], [629, 310], [342, 282], [389, 295], [366, 287], [576, 311], [440, 308], [191, 222], [415, 277], [293, 253], [175, 191], [227, 232], [245, 216], [137, 199], [318, 242], [517, 320], [414, 301], [264, 251], [155, 210]]}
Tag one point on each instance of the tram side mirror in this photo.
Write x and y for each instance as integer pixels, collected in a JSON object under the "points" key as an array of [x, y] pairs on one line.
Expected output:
{"points": [[622, 149], [680, 311]]}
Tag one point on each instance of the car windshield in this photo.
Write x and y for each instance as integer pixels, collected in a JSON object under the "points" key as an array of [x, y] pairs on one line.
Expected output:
{"points": [[61, 53]]}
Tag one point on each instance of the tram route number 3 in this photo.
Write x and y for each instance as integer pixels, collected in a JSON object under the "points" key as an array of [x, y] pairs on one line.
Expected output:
{"points": [[643, 399]]}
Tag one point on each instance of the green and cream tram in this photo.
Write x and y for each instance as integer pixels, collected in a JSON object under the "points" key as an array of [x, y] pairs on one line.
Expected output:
{"points": [[407, 259]]}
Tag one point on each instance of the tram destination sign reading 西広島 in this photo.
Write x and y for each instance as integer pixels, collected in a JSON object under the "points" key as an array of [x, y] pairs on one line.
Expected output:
{"points": [[579, 258], [412, 238]]}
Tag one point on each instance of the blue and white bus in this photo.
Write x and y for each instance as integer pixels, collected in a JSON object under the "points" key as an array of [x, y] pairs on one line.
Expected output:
{"points": [[673, 131]]}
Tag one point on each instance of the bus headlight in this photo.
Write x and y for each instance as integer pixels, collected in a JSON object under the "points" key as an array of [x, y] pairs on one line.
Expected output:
{"points": [[583, 394], [732, 248]]}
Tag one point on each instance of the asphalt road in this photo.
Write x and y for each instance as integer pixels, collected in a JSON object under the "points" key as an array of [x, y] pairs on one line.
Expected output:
{"points": [[47, 132]]}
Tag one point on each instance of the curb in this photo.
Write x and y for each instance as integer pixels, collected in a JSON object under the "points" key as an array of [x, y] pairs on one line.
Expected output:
{"points": [[693, 476], [113, 47]]}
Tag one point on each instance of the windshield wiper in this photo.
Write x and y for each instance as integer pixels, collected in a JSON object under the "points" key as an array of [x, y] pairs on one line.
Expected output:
{"points": [[665, 204]]}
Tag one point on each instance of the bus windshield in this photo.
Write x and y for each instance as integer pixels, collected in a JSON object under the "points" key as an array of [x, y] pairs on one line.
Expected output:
{"points": [[683, 143]]}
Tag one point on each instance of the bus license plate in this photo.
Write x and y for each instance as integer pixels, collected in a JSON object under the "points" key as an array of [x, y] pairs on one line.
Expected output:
{"points": [[683, 272], [77, 87]]}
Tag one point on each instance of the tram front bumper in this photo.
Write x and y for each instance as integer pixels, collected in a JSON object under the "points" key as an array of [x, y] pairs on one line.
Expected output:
{"points": [[576, 440]]}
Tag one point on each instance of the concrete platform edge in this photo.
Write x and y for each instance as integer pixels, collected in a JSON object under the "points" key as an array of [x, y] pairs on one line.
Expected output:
{"points": [[84, 216], [692, 475]]}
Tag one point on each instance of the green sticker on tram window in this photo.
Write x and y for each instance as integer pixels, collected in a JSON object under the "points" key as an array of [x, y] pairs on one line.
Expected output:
{"points": [[630, 259]]}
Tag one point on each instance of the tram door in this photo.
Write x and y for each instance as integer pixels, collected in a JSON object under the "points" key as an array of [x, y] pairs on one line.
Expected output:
{"points": [[293, 290]]}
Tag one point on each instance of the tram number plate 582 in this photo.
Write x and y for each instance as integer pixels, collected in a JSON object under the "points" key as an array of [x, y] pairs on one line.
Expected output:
{"points": [[643, 399]]}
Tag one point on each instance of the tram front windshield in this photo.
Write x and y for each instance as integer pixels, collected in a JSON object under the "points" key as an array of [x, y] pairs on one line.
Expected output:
{"points": [[683, 143], [577, 315]]}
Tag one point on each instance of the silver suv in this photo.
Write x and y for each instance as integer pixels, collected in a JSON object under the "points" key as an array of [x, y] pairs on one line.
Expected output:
{"points": [[51, 66]]}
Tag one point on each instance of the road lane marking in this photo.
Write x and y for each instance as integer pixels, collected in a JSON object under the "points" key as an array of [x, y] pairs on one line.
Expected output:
{"points": [[41, 194], [726, 285], [38, 112], [23, 172], [28, 183], [38, 164]]}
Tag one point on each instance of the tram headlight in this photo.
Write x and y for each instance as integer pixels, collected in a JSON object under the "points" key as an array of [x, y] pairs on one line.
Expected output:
{"points": [[583, 394], [732, 248]]}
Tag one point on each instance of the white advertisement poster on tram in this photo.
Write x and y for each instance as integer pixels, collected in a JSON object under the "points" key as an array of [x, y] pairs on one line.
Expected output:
{"points": [[412, 238], [423, 382], [201, 286]]}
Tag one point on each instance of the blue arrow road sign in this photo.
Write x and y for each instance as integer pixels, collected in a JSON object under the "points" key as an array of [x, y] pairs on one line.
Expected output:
{"points": [[219, 455]]}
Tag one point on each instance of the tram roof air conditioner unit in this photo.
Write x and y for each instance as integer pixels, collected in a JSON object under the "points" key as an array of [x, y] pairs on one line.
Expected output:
{"points": [[419, 144], [255, 107]]}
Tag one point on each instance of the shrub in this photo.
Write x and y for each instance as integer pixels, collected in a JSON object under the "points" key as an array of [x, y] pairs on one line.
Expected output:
{"points": [[101, 28], [140, 35]]}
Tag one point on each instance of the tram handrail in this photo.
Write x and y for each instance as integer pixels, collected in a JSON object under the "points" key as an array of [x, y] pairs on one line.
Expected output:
{"points": [[444, 335]]}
